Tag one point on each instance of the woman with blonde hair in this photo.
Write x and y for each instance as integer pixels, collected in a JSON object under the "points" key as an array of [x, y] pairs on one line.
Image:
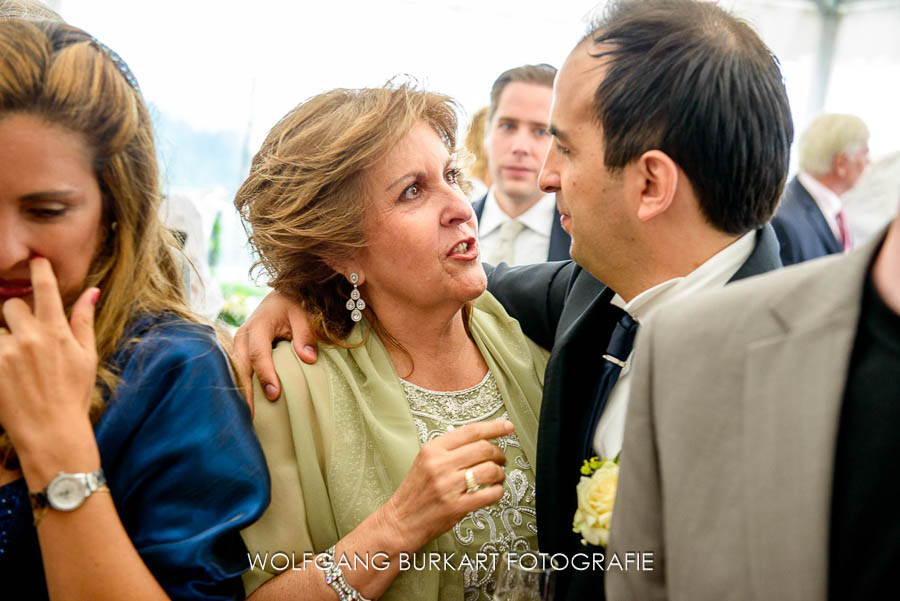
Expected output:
{"points": [[128, 464], [27, 9], [381, 449], [474, 144]]}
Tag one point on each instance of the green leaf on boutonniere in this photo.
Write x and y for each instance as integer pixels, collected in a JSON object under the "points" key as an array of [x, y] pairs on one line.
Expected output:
{"points": [[591, 465]]}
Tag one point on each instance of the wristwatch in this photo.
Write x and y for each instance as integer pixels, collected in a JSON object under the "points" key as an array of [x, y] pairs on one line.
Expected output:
{"points": [[66, 492]]}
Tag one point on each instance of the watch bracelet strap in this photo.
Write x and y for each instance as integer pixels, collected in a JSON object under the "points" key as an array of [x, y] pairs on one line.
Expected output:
{"points": [[39, 499], [42, 511]]}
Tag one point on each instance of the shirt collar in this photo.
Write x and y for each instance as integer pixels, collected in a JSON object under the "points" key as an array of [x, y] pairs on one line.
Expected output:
{"points": [[538, 218], [713, 273], [829, 203]]}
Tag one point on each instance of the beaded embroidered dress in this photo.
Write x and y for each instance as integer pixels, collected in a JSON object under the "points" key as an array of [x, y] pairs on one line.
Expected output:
{"points": [[509, 524], [345, 433]]}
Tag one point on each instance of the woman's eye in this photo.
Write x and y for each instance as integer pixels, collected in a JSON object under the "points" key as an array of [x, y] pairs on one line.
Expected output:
{"points": [[453, 176], [411, 192], [46, 213]]}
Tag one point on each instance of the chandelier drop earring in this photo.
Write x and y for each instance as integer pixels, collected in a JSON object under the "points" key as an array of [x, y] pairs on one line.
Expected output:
{"points": [[355, 305]]}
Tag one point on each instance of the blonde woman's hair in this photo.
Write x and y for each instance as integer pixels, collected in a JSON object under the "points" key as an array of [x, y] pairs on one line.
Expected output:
{"points": [[58, 73], [27, 9], [826, 137], [305, 203], [474, 144]]}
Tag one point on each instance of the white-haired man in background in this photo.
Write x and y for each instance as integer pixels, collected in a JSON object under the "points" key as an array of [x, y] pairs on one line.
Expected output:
{"points": [[810, 222]]}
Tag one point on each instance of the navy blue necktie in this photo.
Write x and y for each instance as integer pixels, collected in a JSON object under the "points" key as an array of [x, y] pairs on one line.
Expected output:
{"points": [[617, 351]]}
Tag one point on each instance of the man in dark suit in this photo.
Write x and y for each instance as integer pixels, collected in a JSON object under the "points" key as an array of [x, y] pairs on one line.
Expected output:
{"points": [[518, 222], [666, 177], [810, 222]]}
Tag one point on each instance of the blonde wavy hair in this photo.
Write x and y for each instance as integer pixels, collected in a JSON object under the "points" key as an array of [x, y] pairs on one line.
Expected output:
{"points": [[305, 203], [60, 74], [474, 144], [27, 9], [829, 135]]}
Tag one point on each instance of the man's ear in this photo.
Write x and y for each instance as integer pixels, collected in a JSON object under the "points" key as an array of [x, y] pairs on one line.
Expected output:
{"points": [[657, 180], [839, 164]]}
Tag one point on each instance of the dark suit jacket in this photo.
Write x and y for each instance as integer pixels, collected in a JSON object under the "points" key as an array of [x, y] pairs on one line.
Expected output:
{"points": [[561, 306], [559, 239], [801, 228]]}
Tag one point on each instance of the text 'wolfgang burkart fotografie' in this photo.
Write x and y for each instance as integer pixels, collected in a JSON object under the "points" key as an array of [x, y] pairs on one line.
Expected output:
{"points": [[280, 561]]}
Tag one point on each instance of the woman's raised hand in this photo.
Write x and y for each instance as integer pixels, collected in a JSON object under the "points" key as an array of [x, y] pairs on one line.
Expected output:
{"points": [[434, 496], [49, 367]]}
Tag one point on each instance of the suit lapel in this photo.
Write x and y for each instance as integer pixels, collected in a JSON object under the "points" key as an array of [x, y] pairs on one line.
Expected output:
{"points": [[818, 222], [559, 239], [569, 391], [478, 207], [792, 399], [764, 258]]}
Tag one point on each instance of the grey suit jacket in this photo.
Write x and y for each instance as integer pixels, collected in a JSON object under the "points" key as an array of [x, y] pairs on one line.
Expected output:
{"points": [[729, 441]]}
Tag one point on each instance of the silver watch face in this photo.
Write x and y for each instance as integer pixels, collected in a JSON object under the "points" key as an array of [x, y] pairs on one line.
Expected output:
{"points": [[66, 492]]}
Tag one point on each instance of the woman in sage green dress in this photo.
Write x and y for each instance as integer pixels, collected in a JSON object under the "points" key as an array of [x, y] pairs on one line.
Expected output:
{"points": [[405, 455]]}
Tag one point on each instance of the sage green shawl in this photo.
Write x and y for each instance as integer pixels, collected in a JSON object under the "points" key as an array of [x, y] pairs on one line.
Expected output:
{"points": [[341, 439]]}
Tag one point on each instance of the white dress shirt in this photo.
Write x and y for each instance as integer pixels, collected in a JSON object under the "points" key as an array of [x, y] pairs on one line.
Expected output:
{"points": [[714, 273], [533, 242], [829, 203]]}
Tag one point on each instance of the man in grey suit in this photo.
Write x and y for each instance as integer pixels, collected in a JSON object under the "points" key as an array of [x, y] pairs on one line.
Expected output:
{"points": [[761, 440]]}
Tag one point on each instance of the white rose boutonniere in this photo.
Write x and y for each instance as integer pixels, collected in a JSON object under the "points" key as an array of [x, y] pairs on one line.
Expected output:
{"points": [[596, 495]]}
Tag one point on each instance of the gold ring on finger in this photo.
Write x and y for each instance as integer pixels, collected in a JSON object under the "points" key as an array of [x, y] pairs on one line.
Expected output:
{"points": [[471, 482], [3, 331]]}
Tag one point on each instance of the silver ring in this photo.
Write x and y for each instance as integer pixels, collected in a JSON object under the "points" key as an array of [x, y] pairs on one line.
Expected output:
{"points": [[471, 482]]}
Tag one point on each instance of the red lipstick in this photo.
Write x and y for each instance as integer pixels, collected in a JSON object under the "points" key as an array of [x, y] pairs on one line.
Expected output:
{"points": [[15, 288]]}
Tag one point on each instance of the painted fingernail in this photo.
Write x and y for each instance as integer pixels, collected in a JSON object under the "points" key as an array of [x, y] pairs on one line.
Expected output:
{"points": [[271, 391], [95, 296]]}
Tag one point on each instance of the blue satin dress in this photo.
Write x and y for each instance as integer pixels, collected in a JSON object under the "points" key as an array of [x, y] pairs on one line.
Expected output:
{"points": [[183, 464]]}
